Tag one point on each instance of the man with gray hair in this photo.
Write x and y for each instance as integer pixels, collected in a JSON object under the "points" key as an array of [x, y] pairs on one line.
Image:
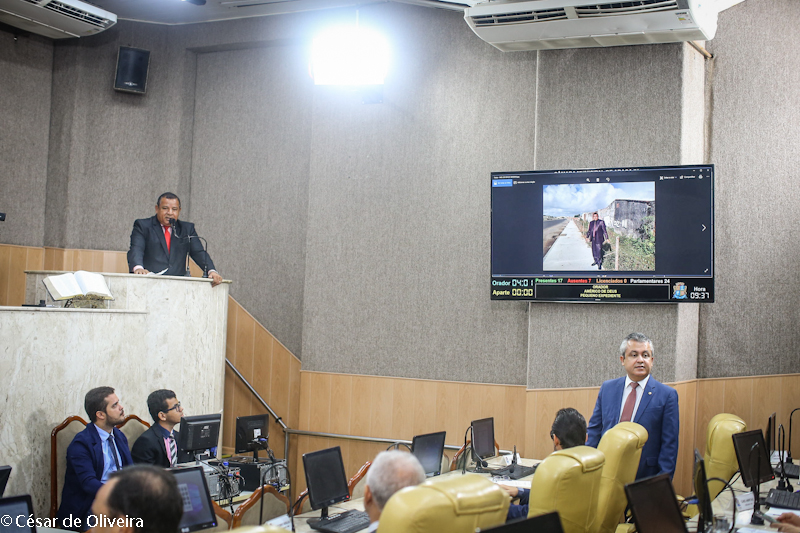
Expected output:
{"points": [[390, 472], [639, 398]]}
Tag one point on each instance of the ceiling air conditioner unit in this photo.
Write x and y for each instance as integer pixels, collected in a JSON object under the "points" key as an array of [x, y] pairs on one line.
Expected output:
{"points": [[554, 24], [57, 19]]}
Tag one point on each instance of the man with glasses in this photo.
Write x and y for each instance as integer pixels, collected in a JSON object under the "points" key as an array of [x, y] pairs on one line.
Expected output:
{"points": [[159, 444], [92, 456], [639, 398]]}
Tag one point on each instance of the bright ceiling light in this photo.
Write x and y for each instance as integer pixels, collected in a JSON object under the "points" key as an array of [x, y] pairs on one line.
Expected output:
{"points": [[349, 55]]}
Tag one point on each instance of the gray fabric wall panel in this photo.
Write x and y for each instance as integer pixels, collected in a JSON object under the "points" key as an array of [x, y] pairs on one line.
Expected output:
{"points": [[603, 108], [114, 145], [250, 178], [26, 71], [752, 329], [398, 232], [578, 345]]}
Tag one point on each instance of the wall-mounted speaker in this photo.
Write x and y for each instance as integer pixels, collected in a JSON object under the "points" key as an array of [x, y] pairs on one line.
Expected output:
{"points": [[132, 66]]}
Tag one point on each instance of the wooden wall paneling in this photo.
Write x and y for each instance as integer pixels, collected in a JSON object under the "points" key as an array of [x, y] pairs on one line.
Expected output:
{"points": [[402, 409], [280, 379], [381, 407], [292, 413], [687, 393], [305, 401], [790, 399], [424, 407], [710, 401], [360, 400], [18, 256], [531, 422], [5, 268], [548, 404], [262, 367], [229, 412], [469, 407], [320, 402], [447, 412], [35, 259], [340, 403], [738, 399], [767, 399], [513, 405], [493, 402], [51, 258]]}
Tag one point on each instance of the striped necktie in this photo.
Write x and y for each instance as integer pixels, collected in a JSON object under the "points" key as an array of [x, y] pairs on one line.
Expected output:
{"points": [[173, 451]]}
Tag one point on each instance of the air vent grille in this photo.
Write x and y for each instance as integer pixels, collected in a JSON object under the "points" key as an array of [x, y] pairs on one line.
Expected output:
{"points": [[72, 12], [625, 8], [520, 16]]}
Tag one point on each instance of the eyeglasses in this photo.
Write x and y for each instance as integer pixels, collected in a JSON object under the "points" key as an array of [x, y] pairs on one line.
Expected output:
{"points": [[174, 407]]}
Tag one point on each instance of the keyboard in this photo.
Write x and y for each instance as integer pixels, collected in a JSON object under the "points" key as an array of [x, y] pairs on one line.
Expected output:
{"points": [[791, 470], [518, 473], [783, 499], [346, 522]]}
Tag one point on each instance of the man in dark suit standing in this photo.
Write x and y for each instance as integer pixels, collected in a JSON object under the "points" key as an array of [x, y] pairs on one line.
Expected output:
{"points": [[161, 243], [597, 235], [159, 444], [639, 398], [92, 456]]}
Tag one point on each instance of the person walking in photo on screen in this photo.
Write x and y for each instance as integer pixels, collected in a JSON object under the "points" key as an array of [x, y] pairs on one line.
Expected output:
{"points": [[597, 235]]}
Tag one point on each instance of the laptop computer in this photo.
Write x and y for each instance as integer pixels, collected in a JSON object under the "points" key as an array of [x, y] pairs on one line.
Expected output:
{"points": [[654, 506], [18, 509]]}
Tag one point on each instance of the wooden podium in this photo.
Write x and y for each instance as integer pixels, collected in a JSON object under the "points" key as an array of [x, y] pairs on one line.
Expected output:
{"points": [[158, 333]]}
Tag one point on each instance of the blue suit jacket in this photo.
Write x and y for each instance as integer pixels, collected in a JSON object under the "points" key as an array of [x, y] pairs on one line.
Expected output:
{"points": [[658, 413], [84, 471], [149, 248]]}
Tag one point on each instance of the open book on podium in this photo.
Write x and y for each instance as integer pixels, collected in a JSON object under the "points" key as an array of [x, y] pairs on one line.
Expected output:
{"points": [[81, 289]]}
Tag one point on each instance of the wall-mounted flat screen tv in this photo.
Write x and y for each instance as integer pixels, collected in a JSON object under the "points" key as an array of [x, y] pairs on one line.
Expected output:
{"points": [[604, 235]]}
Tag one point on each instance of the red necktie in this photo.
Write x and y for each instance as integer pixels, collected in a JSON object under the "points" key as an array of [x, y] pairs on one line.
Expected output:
{"points": [[627, 411], [167, 236]]}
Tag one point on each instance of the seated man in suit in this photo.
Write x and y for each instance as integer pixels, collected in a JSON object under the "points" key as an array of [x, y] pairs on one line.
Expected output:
{"points": [[389, 472], [159, 444], [144, 499], [568, 430], [161, 243], [92, 456], [639, 398]]}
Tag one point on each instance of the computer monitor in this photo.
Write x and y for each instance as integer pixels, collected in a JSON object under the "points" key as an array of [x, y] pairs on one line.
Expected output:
{"points": [[199, 433], [198, 512], [770, 434], [14, 507], [5, 473], [545, 523], [325, 479], [654, 506], [249, 429], [429, 449], [483, 437], [705, 520], [750, 449]]}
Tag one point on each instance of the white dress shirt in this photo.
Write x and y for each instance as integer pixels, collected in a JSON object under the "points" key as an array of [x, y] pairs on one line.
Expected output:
{"points": [[639, 393]]}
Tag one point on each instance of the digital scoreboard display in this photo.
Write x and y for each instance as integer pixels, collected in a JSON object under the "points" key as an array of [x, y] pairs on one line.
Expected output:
{"points": [[604, 235]]}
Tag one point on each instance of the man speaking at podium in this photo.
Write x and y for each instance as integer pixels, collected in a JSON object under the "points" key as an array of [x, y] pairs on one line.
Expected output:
{"points": [[161, 244]]}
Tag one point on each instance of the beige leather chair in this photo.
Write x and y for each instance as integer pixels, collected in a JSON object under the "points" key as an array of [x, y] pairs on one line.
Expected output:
{"points": [[275, 504], [465, 454], [622, 446], [60, 438], [568, 481], [452, 504], [720, 457]]}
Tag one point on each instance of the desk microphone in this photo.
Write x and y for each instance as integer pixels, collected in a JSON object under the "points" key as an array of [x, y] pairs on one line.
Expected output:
{"points": [[756, 519], [783, 484], [513, 464], [789, 450], [173, 222]]}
